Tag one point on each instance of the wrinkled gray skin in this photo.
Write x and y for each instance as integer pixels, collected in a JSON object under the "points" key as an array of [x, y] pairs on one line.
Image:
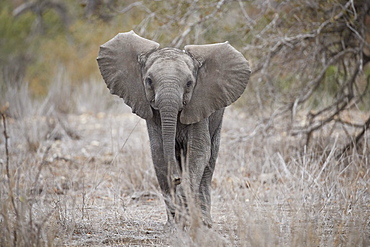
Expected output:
{"points": [[182, 96]]}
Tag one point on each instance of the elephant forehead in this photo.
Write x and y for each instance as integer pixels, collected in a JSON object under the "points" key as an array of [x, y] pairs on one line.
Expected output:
{"points": [[170, 58]]}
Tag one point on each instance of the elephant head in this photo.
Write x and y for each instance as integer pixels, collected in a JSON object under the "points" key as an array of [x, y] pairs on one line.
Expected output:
{"points": [[186, 86]]}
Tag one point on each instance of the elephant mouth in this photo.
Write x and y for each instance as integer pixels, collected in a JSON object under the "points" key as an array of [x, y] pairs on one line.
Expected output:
{"points": [[154, 105]]}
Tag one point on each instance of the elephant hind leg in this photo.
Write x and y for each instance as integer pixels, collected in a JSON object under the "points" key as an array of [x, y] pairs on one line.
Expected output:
{"points": [[205, 186]]}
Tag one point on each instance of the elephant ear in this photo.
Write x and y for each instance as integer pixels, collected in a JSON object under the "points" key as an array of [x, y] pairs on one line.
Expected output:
{"points": [[121, 69], [221, 80]]}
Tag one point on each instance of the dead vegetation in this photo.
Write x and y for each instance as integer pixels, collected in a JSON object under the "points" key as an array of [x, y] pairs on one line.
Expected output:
{"points": [[84, 178]]}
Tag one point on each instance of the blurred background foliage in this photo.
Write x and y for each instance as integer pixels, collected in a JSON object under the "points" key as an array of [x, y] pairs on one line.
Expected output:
{"points": [[306, 56]]}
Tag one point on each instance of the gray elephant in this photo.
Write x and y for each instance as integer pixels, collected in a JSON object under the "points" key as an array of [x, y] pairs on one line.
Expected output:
{"points": [[182, 96]]}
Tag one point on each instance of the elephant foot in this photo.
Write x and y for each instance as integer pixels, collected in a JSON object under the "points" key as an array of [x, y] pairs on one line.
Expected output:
{"points": [[176, 180], [175, 176], [207, 219], [207, 222]]}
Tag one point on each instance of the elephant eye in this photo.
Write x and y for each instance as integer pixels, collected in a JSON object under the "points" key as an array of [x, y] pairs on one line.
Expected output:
{"points": [[148, 82], [189, 83]]}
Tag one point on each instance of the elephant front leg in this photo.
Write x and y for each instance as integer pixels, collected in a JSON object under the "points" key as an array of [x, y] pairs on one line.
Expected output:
{"points": [[198, 156], [161, 170]]}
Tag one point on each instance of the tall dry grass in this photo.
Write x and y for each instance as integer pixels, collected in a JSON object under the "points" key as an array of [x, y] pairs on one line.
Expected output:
{"points": [[76, 170]]}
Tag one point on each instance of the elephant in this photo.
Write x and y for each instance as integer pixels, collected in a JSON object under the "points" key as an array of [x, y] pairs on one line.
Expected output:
{"points": [[182, 95]]}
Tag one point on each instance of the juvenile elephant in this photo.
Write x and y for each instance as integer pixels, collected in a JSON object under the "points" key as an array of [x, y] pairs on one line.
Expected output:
{"points": [[182, 96]]}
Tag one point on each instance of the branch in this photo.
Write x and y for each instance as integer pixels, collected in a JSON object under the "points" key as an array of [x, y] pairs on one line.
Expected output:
{"points": [[344, 122], [176, 42], [21, 9], [7, 163], [39, 7], [3, 116], [315, 126], [250, 21], [344, 100], [313, 84], [354, 143]]}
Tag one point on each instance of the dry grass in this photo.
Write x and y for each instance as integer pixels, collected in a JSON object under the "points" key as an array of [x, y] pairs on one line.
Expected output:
{"points": [[80, 174]]}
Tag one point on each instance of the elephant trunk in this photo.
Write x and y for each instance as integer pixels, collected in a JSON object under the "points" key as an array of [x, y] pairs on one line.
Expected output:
{"points": [[169, 112]]}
